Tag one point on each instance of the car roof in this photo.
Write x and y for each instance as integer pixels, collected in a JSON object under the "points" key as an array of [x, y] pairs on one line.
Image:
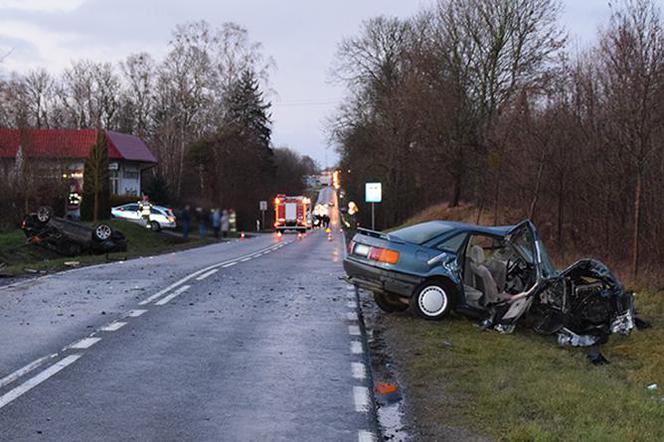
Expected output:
{"points": [[459, 227]]}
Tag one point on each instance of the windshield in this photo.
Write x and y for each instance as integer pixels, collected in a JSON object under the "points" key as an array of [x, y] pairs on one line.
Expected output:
{"points": [[421, 233]]}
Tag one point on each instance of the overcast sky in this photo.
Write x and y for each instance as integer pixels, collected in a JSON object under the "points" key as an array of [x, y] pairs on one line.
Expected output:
{"points": [[301, 35]]}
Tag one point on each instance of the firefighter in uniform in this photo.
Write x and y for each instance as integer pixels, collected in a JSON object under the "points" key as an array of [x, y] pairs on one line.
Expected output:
{"points": [[145, 207]]}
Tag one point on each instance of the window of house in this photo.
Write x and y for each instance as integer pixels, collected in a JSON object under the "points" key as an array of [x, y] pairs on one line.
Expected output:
{"points": [[130, 174], [115, 181]]}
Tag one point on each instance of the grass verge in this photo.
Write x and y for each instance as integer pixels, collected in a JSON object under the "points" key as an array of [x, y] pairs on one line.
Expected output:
{"points": [[523, 387], [21, 259]]}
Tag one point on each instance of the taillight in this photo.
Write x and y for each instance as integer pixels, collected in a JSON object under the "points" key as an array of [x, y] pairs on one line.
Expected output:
{"points": [[384, 255], [351, 244]]}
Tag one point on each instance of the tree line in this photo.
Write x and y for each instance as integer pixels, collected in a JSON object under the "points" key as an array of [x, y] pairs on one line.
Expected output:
{"points": [[202, 109], [482, 102]]}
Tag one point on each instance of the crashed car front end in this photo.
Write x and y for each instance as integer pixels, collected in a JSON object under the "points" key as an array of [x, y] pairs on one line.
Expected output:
{"points": [[582, 305]]}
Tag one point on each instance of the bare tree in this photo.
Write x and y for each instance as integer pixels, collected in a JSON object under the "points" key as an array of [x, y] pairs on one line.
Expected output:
{"points": [[632, 54]]}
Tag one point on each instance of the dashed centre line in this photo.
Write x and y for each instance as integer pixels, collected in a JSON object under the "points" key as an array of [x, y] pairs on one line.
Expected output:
{"points": [[135, 313], [25, 370], [207, 274], [83, 343], [354, 330], [113, 326], [230, 264], [36, 380], [173, 295]]}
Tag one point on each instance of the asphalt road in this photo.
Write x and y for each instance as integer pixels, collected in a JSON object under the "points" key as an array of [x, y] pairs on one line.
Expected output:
{"points": [[248, 340]]}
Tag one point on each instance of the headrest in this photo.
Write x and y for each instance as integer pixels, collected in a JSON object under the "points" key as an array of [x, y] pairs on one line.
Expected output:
{"points": [[477, 254]]}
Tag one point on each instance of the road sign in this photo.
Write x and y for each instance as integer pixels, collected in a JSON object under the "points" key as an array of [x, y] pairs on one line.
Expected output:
{"points": [[262, 205], [373, 192]]}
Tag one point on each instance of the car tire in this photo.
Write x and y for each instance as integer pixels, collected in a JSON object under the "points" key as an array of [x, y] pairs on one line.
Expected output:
{"points": [[433, 299], [44, 214], [155, 226], [102, 232]]}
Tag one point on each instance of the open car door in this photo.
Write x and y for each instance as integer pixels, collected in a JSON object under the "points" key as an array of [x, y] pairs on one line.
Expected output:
{"points": [[523, 240]]}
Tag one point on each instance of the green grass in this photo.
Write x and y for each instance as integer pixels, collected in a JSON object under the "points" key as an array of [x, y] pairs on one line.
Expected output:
{"points": [[523, 387], [21, 259]]}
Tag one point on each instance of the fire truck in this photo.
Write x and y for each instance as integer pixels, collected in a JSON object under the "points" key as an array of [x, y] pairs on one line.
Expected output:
{"points": [[291, 213]]}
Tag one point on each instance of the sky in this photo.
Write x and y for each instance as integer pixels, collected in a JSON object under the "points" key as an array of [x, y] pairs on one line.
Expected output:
{"points": [[301, 36]]}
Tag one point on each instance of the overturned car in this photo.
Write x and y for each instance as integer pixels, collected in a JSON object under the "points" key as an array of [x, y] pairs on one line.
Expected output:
{"points": [[500, 275], [70, 238]]}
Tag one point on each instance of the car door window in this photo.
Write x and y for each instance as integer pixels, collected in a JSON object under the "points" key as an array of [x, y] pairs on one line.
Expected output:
{"points": [[452, 244], [522, 240]]}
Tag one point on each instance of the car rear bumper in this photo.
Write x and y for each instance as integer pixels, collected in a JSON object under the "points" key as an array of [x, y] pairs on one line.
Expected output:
{"points": [[380, 280]]}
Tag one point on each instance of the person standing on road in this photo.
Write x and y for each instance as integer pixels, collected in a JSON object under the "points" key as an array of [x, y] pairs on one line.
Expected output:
{"points": [[215, 217], [225, 223], [201, 219], [185, 218], [145, 208]]}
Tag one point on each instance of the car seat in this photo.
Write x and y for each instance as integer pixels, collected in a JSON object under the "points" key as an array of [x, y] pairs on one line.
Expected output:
{"points": [[482, 278]]}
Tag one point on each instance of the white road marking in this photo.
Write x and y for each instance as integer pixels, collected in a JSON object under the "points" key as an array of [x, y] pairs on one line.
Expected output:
{"points": [[354, 330], [358, 369], [113, 326], [365, 436], [351, 304], [167, 289], [173, 295], [83, 343], [223, 264], [361, 399], [350, 288], [267, 251], [36, 380], [245, 260], [351, 316], [356, 347], [135, 313], [11, 377], [207, 275]]}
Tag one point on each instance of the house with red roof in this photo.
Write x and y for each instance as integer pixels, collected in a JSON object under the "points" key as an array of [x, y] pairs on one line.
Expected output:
{"points": [[62, 152]]}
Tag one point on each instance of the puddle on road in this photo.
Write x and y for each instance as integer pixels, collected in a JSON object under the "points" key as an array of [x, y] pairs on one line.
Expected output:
{"points": [[389, 397]]}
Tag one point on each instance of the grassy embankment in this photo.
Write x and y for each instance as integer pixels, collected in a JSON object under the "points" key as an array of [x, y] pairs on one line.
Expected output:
{"points": [[24, 259], [523, 386]]}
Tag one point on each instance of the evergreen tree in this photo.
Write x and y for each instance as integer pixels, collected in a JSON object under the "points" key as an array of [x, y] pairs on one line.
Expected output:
{"points": [[96, 204], [248, 111]]}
